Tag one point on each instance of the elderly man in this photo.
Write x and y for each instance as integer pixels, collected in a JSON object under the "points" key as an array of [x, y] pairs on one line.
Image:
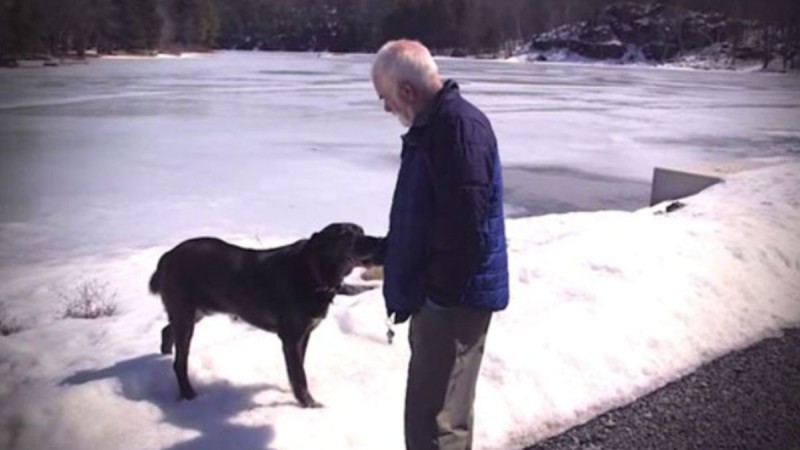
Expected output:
{"points": [[445, 260]]}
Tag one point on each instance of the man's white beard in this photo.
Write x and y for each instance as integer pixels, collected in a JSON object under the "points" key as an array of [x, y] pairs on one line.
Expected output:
{"points": [[404, 120]]}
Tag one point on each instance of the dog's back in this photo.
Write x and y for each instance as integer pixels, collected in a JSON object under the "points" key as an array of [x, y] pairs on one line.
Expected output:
{"points": [[190, 255], [206, 274]]}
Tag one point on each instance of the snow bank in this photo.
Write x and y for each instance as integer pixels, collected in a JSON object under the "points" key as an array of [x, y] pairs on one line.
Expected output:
{"points": [[605, 307]]}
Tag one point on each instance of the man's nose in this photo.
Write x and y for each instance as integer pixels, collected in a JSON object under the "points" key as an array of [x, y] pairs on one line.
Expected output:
{"points": [[386, 107]]}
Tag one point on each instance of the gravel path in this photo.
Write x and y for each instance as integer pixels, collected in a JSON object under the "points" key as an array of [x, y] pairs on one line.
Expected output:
{"points": [[747, 400]]}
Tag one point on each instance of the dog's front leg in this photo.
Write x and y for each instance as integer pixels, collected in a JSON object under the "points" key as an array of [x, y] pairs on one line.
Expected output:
{"points": [[293, 349]]}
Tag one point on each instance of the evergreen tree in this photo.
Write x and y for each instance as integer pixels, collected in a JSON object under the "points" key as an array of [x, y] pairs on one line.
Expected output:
{"points": [[58, 26]]}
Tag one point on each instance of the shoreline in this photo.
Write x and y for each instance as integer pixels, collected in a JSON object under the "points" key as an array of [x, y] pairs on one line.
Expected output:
{"points": [[524, 58], [180, 55], [743, 66], [33, 61]]}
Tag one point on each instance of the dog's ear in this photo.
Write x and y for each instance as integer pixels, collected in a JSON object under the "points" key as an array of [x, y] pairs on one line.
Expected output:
{"points": [[324, 263], [316, 243], [313, 247]]}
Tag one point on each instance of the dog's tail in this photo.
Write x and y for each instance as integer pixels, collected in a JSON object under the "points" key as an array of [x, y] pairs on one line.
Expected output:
{"points": [[155, 280]]}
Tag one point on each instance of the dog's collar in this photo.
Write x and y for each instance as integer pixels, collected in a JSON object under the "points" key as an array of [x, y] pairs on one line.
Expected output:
{"points": [[327, 290], [319, 282]]}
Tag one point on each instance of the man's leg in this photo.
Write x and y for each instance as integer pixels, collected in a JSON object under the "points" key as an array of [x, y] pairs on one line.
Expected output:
{"points": [[446, 352]]}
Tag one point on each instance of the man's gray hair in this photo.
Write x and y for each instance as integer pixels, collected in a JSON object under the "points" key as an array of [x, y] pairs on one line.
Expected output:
{"points": [[406, 61]]}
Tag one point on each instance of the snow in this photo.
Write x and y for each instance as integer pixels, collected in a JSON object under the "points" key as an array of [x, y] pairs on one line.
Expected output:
{"points": [[156, 56], [606, 306]]}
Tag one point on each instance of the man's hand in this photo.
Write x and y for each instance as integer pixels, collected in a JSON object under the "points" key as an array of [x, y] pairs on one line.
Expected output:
{"points": [[352, 289]]}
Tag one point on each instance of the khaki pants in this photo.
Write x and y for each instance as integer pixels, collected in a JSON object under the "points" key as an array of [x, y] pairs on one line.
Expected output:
{"points": [[446, 351]]}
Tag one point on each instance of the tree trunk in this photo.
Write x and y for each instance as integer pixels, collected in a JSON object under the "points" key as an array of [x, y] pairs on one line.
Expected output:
{"points": [[767, 44]]}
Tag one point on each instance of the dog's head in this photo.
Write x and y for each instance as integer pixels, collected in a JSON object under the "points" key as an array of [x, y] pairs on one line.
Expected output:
{"points": [[334, 251]]}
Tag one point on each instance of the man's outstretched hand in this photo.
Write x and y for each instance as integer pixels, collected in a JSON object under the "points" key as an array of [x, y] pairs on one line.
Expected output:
{"points": [[353, 289]]}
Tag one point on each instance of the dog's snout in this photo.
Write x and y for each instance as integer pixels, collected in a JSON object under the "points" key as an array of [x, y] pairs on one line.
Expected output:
{"points": [[368, 250]]}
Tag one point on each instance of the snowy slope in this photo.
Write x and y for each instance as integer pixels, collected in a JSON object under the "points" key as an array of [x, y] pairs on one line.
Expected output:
{"points": [[605, 307]]}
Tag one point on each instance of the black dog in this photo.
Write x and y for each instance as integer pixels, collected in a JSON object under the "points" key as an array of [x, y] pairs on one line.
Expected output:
{"points": [[285, 290]]}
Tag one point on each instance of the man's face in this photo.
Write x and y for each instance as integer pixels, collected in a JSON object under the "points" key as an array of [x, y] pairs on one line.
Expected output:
{"points": [[392, 97]]}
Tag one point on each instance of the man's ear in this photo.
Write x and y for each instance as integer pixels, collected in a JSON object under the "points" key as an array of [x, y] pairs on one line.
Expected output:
{"points": [[406, 92]]}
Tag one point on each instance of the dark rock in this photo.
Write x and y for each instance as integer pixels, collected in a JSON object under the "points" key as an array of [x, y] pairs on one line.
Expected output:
{"points": [[598, 34], [659, 51], [598, 51], [458, 53], [749, 53], [6, 61], [658, 32], [674, 206]]}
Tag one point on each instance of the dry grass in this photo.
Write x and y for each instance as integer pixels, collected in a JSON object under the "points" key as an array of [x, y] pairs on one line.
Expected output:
{"points": [[8, 325], [373, 273], [89, 300]]}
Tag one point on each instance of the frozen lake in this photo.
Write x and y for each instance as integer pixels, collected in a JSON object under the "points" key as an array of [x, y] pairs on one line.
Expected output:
{"points": [[105, 166], [122, 154]]}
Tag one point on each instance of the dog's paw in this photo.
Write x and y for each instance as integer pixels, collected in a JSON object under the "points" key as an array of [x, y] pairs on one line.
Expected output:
{"points": [[189, 395], [311, 403]]}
